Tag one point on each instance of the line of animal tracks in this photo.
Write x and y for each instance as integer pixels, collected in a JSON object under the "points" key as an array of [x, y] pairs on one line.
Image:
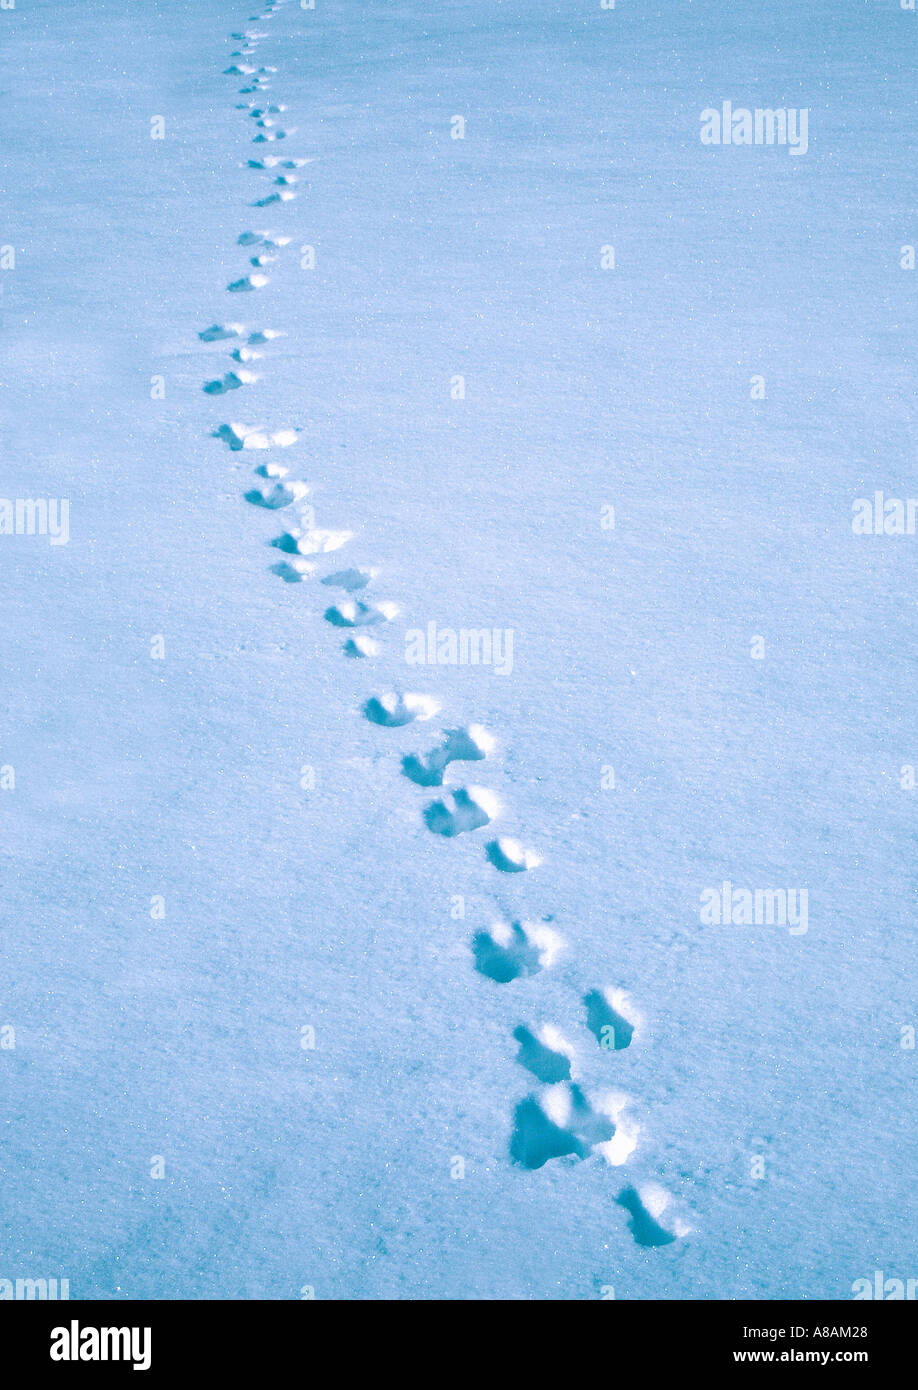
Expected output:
{"points": [[559, 1120]]}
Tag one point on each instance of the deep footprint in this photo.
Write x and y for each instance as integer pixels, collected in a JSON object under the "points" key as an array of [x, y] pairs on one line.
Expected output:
{"points": [[647, 1209], [460, 745], [611, 1018], [467, 809], [508, 952], [559, 1122], [511, 857], [546, 1053], [392, 710]]}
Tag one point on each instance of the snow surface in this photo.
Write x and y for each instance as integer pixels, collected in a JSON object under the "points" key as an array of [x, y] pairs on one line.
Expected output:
{"points": [[333, 906]]}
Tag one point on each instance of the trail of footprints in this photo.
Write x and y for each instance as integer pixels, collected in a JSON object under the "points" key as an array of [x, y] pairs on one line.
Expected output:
{"points": [[559, 1119]]}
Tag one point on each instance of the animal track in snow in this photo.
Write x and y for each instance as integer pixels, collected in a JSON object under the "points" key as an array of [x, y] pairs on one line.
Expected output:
{"points": [[230, 382], [459, 745], [293, 571], [285, 195], [271, 241], [509, 952], [281, 495], [546, 1053], [349, 579], [611, 1018], [311, 541], [558, 1122], [274, 161], [248, 437], [392, 710], [562, 1120], [217, 331], [248, 282], [361, 646], [469, 808], [651, 1219], [511, 857], [351, 613]]}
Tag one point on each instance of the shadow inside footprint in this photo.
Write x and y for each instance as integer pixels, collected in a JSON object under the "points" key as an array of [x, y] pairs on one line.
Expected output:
{"points": [[507, 960], [469, 811], [611, 1029], [348, 579], [459, 745], [544, 1062], [646, 1230], [537, 1139]]}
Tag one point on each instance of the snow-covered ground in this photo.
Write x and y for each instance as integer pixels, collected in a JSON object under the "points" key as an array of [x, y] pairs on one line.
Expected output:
{"points": [[268, 1021]]}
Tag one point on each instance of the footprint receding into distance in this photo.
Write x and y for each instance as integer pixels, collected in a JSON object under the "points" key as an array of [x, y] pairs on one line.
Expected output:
{"points": [[293, 571], [311, 541], [352, 613], [249, 437], [611, 1018], [351, 580], [264, 335], [248, 282], [459, 745], [282, 494], [392, 709], [218, 331], [284, 195], [275, 161], [511, 857], [651, 1220], [361, 646], [510, 951], [468, 808], [545, 1052], [230, 381], [268, 239]]}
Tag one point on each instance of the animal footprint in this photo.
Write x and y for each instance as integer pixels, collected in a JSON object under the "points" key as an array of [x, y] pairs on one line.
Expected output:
{"points": [[246, 437], [652, 1221], [546, 1053], [221, 330], [460, 745], [281, 495], [510, 857], [508, 952], [285, 195], [230, 382], [293, 571], [559, 1122], [248, 282], [311, 541], [349, 579], [268, 239], [361, 646], [350, 613], [467, 809], [393, 710], [611, 1018]]}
